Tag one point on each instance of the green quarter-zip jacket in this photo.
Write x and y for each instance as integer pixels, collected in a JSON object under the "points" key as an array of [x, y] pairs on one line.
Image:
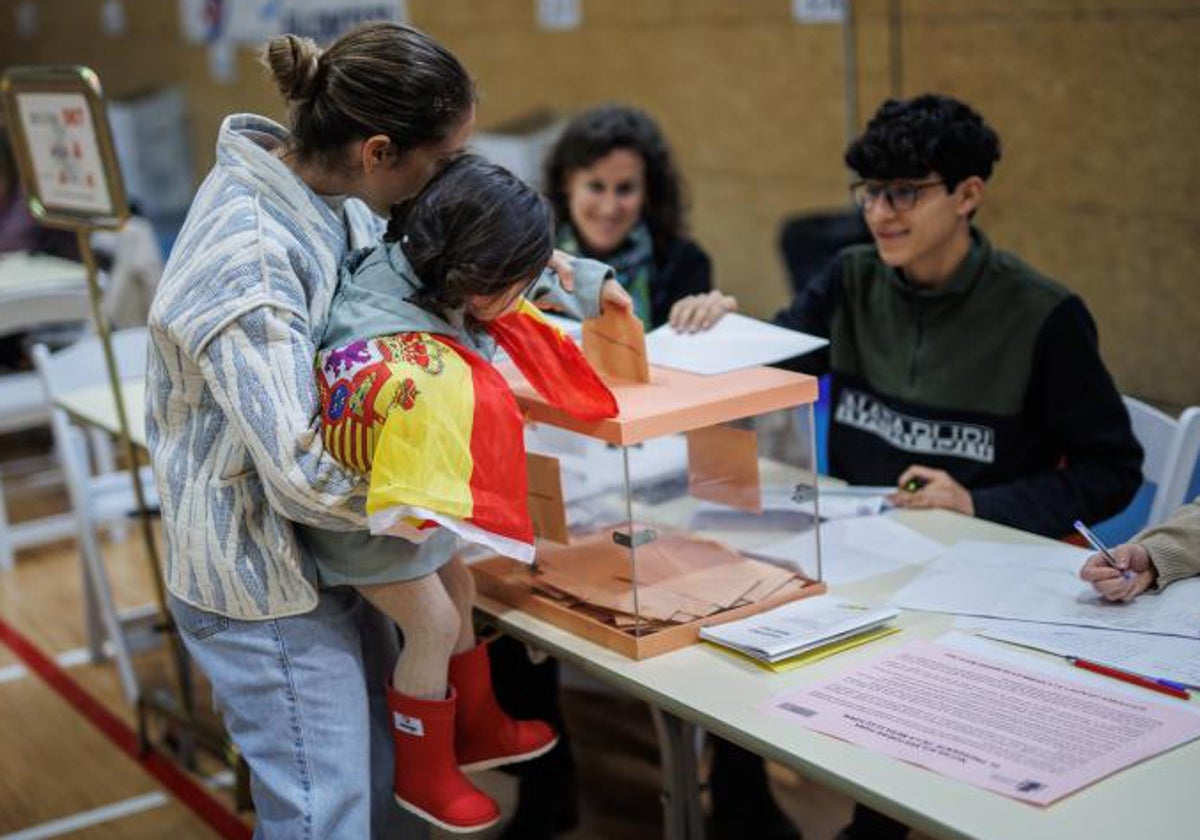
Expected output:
{"points": [[994, 377]]}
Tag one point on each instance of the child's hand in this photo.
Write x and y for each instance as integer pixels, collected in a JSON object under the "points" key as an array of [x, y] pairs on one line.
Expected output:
{"points": [[560, 264], [612, 295]]}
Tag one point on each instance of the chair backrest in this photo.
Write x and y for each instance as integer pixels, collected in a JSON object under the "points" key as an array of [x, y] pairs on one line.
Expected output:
{"points": [[1155, 431], [82, 364], [1180, 465], [809, 241]]}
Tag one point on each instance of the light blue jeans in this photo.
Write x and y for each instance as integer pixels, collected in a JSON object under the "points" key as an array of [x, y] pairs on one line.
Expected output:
{"points": [[303, 698]]}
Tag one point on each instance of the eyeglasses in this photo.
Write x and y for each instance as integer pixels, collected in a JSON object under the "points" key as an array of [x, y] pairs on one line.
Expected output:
{"points": [[900, 196]]}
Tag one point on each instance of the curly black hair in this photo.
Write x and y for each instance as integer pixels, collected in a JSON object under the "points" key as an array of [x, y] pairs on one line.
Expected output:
{"points": [[910, 138], [598, 131], [475, 229]]}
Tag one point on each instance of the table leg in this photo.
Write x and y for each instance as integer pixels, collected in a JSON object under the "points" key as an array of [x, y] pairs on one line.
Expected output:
{"points": [[683, 818]]}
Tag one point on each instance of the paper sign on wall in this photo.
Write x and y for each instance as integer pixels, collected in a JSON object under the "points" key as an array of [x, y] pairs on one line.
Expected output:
{"points": [[559, 15], [819, 11]]}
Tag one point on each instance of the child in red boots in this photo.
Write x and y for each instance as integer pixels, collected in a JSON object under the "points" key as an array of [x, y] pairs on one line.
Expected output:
{"points": [[418, 406]]}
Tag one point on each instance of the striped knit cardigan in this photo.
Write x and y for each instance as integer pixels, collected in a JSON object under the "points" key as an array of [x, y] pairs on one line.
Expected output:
{"points": [[232, 410]]}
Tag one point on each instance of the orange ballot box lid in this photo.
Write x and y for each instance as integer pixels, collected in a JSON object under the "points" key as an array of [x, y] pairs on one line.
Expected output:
{"points": [[673, 401]]}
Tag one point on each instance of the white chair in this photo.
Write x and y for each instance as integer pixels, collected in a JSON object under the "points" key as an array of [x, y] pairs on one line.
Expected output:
{"points": [[1169, 459], [102, 496], [23, 403], [1181, 465]]}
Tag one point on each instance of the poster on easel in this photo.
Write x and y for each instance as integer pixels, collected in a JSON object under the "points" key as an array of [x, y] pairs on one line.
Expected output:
{"points": [[63, 145]]}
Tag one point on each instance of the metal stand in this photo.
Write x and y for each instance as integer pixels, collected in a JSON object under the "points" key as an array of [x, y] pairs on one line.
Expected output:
{"points": [[176, 708]]}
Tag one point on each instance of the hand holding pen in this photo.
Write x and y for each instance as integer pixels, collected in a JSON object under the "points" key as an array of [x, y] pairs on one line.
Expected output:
{"points": [[925, 487], [1117, 574]]}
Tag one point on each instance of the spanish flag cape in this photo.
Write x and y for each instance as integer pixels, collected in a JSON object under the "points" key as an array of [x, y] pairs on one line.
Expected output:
{"points": [[439, 431]]}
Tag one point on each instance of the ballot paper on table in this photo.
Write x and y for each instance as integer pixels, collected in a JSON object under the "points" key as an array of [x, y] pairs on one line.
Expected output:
{"points": [[1041, 583], [853, 500], [859, 548], [797, 627], [999, 722], [1149, 654], [735, 342]]}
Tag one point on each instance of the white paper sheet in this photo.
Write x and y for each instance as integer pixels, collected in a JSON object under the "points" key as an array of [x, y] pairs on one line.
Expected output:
{"points": [[1149, 654], [1041, 583], [736, 342], [859, 548]]}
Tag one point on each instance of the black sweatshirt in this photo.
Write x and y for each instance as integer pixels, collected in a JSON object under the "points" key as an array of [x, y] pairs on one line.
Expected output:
{"points": [[995, 378]]}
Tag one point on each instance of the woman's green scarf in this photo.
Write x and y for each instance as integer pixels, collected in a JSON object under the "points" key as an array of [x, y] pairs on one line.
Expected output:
{"points": [[633, 261]]}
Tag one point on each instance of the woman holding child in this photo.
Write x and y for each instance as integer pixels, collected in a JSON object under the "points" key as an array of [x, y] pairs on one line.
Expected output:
{"points": [[298, 669]]}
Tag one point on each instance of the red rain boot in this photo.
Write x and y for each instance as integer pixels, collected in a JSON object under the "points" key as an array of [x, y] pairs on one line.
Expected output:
{"points": [[484, 736], [427, 779]]}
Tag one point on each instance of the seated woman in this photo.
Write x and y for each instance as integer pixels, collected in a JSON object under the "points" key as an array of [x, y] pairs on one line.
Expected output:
{"points": [[618, 197]]}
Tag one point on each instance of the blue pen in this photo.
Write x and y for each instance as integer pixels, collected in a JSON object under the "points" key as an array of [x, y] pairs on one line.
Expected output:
{"points": [[1171, 684], [1095, 543]]}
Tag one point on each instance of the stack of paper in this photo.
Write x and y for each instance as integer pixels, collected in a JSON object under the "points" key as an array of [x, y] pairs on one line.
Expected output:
{"points": [[1041, 583], [1149, 654], [797, 627]]}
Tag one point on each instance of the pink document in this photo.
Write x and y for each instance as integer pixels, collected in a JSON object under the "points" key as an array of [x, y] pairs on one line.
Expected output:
{"points": [[1020, 732]]}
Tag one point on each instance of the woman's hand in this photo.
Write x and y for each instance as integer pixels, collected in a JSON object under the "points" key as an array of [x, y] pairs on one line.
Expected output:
{"points": [[614, 296], [697, 313], [560, 264], [1114, 584], [933, 489]]}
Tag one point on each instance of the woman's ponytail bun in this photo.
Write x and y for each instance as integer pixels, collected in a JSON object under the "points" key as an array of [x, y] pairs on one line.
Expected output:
{"points": [[294, 63]]}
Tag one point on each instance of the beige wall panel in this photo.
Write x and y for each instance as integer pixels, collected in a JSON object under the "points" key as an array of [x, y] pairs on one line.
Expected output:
{"points": [[1088, 111], [1137, 276], [522, 14], [873, 44], [762, 104], [977, 10], [70, 32], [723, 11], [737, 222], [1093, 103]]}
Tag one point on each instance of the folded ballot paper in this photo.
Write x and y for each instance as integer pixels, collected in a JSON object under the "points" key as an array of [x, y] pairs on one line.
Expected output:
{"points": [[798, 627]]}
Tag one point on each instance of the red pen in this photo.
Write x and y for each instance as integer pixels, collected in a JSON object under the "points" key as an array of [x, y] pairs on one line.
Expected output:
{"points": [[1132, 679]]}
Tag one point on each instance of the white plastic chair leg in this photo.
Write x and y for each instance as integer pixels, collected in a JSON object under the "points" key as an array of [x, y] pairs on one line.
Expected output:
{"points": [[6, 546]]}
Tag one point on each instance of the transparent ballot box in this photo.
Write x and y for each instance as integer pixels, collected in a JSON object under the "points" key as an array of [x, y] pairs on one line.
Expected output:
{"points": [[696, 505]]}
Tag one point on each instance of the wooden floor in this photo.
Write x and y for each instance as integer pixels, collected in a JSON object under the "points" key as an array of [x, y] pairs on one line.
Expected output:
{"points": [[57, 766]]}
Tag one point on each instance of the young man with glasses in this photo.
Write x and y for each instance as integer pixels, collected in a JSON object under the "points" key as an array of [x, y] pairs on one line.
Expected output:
{"points": [[958, 372], [956, 366]]}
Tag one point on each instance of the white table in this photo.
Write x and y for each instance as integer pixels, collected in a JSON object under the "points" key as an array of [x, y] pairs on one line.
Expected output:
{"points": [[21, 271], [35, 290], [94, 406], [702, 686]]}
